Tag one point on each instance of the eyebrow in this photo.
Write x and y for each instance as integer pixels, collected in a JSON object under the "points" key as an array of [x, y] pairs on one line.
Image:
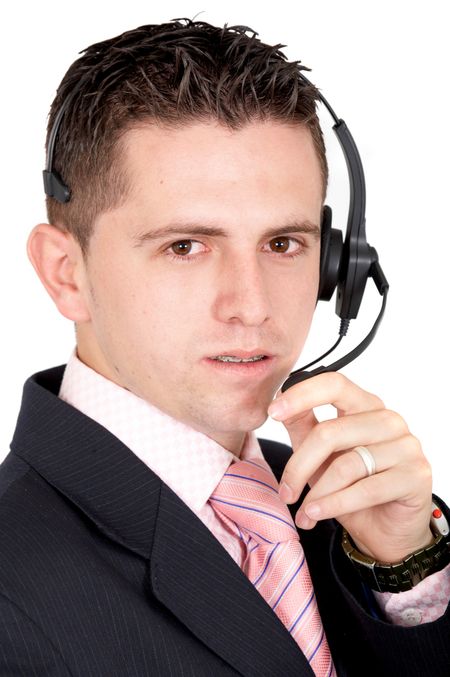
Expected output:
{"points": [[195, 229]]}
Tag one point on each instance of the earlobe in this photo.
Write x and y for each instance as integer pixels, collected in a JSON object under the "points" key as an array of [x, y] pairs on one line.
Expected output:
{"points": [[58, 261]]}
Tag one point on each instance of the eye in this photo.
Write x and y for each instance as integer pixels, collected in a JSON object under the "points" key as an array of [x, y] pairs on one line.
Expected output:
{"points": [[285, 245], [279, 244], [186, 251], [182, 247]]}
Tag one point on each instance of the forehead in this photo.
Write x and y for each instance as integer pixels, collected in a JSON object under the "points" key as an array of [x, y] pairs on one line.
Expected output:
{"points": [[263, 173], [213, 152]]}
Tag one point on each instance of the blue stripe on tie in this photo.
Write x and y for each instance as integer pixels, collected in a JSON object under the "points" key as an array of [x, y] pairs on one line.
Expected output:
{"points": [[240, 532], [251, 479], [302, 612], [260, 512], [263, 468], [330, 671], [317, 647], [259, 536], [254, 547], [266, 565], [289, 582]]}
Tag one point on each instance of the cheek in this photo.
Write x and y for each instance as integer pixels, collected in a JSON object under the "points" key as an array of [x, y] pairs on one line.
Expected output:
{"points": [[301, 302], [301, 288], [148, 312]]}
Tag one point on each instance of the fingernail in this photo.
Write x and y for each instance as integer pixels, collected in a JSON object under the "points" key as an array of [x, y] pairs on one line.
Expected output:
{"points": [[277, 409], [303, 521], [313, 510], [286, 493]]}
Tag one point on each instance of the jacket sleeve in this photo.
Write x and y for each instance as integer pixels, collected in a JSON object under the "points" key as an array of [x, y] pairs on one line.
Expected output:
{"points": [[24, 649], [382, 647]]}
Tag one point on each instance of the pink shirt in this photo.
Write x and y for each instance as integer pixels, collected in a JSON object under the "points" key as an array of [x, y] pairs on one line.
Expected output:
{"points": [[192, 464]]}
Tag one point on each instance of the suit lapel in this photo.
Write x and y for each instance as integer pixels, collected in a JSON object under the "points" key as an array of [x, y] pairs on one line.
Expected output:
{"points": [[194, 576], [86, 463], [189, 570]]}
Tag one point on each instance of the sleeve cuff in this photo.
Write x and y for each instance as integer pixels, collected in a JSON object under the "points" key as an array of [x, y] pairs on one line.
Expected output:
{"points": [[424, 603]]}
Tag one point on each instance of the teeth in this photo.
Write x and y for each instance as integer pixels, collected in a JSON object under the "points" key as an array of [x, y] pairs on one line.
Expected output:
{"points": [[231, 358]]}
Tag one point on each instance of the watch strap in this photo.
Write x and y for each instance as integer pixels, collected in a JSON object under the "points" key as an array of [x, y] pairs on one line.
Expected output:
{"points": [[404, 575]]}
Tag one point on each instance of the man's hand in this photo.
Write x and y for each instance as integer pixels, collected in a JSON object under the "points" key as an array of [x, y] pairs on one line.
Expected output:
{"points": [[387, 514]]}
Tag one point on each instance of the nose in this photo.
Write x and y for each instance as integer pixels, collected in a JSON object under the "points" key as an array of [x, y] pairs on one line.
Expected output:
{"points": [[242, 292]]}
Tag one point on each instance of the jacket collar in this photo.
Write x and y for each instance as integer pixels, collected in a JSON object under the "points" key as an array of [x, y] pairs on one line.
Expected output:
{"points": [[91, 467], [189, 570]]}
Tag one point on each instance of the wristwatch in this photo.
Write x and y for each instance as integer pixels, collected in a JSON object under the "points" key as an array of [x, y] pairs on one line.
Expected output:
{"points": [[404, 575]]}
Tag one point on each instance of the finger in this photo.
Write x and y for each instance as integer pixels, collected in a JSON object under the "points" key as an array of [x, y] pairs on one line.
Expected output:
{"points": [[348, 467], [303, 426], [329, 388], [392, 485], [335, 435]]}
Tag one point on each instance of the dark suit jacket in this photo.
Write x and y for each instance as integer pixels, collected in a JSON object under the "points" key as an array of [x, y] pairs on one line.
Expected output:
{"points": [[104, 571]]}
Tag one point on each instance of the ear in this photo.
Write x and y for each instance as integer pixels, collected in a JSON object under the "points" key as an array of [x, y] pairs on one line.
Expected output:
{"points": [[59, 263]]}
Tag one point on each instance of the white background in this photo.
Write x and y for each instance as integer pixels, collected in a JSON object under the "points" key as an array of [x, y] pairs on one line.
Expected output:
{"points": [[383, 67]]}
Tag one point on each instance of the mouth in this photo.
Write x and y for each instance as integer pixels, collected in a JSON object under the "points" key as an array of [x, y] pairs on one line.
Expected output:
{"points": [[256, 362], [239, 360]]}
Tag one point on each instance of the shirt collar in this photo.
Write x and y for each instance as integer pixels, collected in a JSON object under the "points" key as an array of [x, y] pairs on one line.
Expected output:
{"points": [[188, 461]]}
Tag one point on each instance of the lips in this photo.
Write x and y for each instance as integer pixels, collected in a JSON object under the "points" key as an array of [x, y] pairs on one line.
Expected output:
{"points": [[239, 360], [241, 354], [231, 362]]}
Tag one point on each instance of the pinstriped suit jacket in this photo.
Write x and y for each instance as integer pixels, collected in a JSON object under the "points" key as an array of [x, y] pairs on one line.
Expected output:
{"points": [[105, 572]]}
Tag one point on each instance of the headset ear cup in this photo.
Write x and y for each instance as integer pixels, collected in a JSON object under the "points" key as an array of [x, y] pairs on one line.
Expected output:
{"points": [[331, 245], [325, 229]]}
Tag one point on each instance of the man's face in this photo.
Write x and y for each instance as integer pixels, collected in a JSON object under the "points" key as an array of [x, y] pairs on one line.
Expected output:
{"points": [[215, 252]]}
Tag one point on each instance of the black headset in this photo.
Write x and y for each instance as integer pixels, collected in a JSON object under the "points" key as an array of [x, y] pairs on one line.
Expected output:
{"points": [[345, 265]]}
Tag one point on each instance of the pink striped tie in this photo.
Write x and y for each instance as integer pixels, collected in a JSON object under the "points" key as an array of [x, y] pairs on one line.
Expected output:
{"points": [[247, 500]]}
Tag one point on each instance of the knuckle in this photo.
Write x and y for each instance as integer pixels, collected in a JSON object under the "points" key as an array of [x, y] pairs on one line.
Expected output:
{"points": [[422, 479], [377, 401], [393, 421], [339, 381], [413, 445], [415, 463], [426, 470], [289, 474], [292, 474], [325, 432], [344, 468], [334, 381], [379, 404]]}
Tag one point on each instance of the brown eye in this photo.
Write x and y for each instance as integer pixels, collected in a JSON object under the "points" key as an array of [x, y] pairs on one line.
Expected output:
{"points": [[182, 247], [279, 244]]}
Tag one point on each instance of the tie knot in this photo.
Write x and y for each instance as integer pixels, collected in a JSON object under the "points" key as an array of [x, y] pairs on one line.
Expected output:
{"points": [[248, 495]]}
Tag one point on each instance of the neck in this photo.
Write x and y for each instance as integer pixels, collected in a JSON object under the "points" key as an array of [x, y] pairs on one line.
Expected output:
{"points": [[233, 441]]}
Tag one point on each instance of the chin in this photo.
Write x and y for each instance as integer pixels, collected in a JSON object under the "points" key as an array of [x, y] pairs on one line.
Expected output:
{"points": [[239, 413], [242, 420]]}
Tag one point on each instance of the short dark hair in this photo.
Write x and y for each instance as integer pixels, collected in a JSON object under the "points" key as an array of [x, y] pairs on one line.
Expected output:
{"points": [[171, 74]]}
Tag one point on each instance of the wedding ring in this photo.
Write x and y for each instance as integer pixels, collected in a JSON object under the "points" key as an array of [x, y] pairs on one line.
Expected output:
{"points": [[368, 460]]}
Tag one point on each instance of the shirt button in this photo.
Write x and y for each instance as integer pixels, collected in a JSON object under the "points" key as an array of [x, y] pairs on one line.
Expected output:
{"points": [[411, 616]]}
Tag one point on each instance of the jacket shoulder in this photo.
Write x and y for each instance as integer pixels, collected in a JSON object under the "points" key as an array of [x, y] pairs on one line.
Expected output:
{"points": [[12, 469]]}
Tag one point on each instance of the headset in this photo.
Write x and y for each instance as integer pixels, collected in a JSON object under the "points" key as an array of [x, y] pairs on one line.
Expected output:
{"points": [[345, 265]]}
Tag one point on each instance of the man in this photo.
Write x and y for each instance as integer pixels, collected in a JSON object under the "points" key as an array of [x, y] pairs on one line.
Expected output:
{"points": [[187, 255]]}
